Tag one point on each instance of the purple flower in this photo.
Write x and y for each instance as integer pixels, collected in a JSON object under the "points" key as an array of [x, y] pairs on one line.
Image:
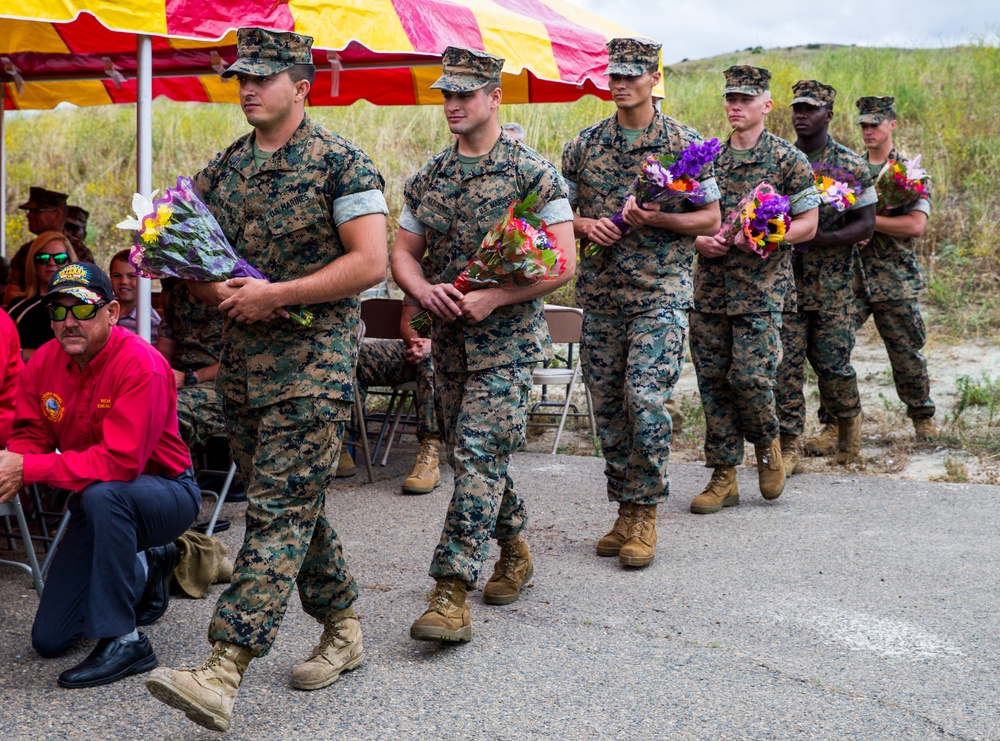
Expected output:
{"points": [[694, 158]]}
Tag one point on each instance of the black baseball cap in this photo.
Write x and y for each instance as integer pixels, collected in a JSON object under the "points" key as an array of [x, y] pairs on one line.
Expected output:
{"points": [[81, 280]]}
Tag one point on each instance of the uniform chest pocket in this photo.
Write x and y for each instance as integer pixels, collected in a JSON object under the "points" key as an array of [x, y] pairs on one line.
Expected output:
{"points": [[436, 215], [600, 190], [307, 216]]}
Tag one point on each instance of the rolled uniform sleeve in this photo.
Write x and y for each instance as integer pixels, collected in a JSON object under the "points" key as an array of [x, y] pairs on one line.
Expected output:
{"points": [[866, 198], [355, 205], [710, 188], [803, 201], [410, 223], [556, 212]]}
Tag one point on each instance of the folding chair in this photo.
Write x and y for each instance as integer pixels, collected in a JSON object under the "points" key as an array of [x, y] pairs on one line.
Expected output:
{"points": [[13, 508], [359, 415], [220, 496], [381, 317], [565, 327]]}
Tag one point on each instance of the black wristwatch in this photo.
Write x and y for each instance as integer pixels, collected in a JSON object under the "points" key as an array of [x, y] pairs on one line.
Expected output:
{"points": [[190, 379]]}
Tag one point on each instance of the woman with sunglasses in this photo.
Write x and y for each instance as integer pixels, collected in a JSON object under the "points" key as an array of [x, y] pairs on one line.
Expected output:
{"points": [[50, 251]]}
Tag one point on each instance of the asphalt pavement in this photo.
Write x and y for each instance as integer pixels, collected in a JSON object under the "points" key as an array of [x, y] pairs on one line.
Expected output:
{"points": [[851, 607]]}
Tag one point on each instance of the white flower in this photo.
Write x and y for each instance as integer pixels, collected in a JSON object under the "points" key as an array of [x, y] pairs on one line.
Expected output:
{"points": [[143, 207]]}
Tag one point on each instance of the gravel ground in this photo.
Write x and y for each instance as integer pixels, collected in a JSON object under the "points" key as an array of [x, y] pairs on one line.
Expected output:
{"points": [[851, 607]]}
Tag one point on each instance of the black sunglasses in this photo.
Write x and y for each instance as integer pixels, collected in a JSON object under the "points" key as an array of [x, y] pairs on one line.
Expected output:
{"points": [[42, 258], [82, 312]]}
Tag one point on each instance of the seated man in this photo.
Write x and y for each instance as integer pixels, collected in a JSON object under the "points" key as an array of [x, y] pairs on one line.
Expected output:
{"points": [[125, 284], [390, 363], [106, 401]]}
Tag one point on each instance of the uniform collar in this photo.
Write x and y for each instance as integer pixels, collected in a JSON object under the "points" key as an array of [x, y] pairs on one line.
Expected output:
{"points": [[283, 159], [654, 135], [757, 154], [497, 159]]}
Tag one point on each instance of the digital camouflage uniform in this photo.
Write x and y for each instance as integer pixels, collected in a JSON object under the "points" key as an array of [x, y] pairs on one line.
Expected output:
{"points": [[196, 329], [287, 390], [822, 329], [384, 363], [483, 370], [635, 295], [738, 300], [887, 285]]}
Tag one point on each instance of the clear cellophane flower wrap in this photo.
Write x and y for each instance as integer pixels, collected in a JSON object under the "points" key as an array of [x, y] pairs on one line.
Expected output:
{"points": [[664, 178], [517, 252], [900, 183], [177, 237], [763, 218]]}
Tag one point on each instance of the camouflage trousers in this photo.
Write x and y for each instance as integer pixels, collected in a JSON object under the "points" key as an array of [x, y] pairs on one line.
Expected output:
{"points": [[484, 422], [287, 453], [826, 339], [384, 363], [630, 365], [901, 327], [736, 360], [199, 414]]}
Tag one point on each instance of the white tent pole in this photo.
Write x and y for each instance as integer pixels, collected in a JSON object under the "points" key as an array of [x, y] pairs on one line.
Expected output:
{"points": [[144, 159], [3, 179]]}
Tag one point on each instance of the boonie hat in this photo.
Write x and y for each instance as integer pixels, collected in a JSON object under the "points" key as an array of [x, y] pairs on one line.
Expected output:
{"points": [[813, 92], [464, 70], [261, 53], [873, 109], [747, 80], [81, 280], [631, 57], [41, 198]]}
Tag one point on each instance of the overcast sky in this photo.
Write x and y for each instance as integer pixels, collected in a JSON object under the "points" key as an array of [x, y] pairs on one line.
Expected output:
{"points": [[702, 28]]}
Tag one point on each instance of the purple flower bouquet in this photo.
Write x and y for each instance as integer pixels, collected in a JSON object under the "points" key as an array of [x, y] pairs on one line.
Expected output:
{"points": [[665, 178], [177, 237]]}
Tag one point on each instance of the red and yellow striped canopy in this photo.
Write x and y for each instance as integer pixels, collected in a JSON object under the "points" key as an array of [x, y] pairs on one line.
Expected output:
{"points": [[384, 51]]}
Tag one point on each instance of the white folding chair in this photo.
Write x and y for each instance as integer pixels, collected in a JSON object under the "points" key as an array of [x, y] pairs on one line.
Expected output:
{"points": [[13, 509], [565, 327], [359, 415]]}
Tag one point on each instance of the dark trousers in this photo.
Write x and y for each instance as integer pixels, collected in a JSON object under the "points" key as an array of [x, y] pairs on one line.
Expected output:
{"points": [[96, 578]]}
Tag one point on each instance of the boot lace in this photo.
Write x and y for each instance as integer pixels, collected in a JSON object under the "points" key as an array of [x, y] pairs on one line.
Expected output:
{"points": [[218, 654], [442, 596], [508, 558]]}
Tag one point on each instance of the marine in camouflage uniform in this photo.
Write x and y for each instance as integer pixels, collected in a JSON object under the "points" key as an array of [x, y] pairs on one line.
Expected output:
{"points": [[384, 363], [483, 358], [888, 284], [194, 331], [822, 329], [739, 297], [286, 388], [635, 293]]}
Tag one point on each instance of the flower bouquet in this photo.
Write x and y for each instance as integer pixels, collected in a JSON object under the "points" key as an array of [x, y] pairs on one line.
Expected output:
{"points": [[664, 178], [517, 252], [763, 218], [900, 184], [838, 189], [177, 237]]}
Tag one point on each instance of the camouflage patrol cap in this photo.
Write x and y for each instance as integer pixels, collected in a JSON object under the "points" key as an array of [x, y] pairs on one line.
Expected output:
{"points": [[464, 70], [873, 109], [747, 80], [39, 198], [813, 92], [77, 215], [261, 53], [632, 57]]}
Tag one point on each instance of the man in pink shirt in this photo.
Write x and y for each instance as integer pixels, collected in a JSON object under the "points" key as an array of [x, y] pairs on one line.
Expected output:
{"points": [[107, 402], [10, 369]]}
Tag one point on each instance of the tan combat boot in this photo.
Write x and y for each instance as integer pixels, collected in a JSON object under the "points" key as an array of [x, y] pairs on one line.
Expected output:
{"points": [[611, 544], [825, 443], [511, 572], [447, 618], [770, 469], [207, 693], [790, 453], [339, 650], [721, 491], [345, 466], [426, 473], [848, 439], [640, 545], [925, 428]]}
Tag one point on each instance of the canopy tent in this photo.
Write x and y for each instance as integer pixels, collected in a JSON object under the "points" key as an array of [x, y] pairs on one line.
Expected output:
{"points": [[384, 51], [94, 52]]}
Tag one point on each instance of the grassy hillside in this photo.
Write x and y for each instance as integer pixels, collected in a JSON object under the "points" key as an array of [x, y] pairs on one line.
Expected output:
{"points": [[946, 98]]}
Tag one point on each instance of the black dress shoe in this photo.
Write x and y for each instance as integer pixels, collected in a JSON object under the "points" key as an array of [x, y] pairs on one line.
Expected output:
{"points": [[155, 597], [112, 659]]}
